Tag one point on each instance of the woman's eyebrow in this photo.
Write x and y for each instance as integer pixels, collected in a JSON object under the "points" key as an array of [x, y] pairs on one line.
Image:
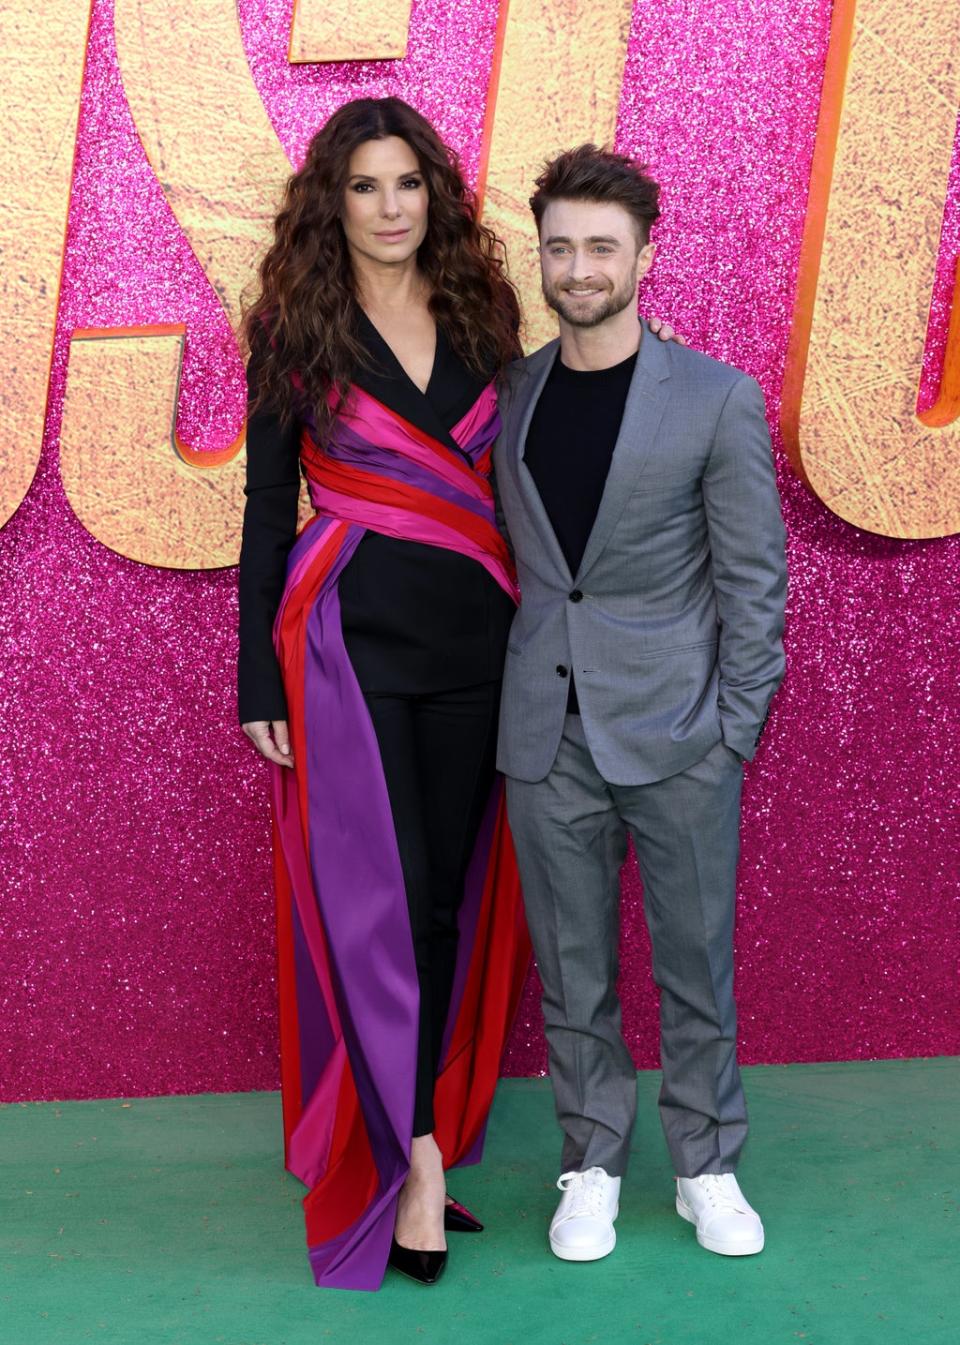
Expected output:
{"points": [[367, 177]]}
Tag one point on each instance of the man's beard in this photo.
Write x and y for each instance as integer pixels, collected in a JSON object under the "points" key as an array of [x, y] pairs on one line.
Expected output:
{"points": [[614, 303]]}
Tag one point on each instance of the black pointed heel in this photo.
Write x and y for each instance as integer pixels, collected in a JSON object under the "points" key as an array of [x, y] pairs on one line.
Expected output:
{"points": [[458, 1219], [424, 1267]]}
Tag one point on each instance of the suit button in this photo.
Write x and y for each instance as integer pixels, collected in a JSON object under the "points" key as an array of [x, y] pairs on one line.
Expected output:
{"points": [[576, 596], [562, 670]]}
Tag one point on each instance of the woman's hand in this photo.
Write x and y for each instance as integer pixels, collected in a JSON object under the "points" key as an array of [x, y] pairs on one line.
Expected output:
{"points": [[271, 739], [665, 331]]}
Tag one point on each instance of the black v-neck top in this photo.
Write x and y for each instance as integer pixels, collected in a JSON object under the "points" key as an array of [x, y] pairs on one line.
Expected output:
{"points": [[417, 619]]}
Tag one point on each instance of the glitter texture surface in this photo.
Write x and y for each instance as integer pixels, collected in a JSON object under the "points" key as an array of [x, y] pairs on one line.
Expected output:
{"points": [[137, 922]]}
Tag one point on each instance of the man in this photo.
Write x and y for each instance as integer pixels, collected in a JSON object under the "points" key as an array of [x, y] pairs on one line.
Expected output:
{"points": [[638, 490]]}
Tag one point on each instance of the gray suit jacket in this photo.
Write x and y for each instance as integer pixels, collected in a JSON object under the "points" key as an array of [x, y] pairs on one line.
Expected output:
{"points": [[675, 642]]}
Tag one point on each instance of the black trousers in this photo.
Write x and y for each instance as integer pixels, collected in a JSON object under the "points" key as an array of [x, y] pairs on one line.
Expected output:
{"points": [[438, 752]]}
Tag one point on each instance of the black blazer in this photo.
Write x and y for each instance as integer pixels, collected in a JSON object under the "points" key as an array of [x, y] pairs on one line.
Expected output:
{"points": [[416, 618]]}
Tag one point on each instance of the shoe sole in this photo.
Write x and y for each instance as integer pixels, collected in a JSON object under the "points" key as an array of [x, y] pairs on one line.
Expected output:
{"points": [[595, 1253], [712, 1244]]}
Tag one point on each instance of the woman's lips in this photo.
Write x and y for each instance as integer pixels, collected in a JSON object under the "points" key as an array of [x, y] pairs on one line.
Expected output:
{"points": [[393, 236]]}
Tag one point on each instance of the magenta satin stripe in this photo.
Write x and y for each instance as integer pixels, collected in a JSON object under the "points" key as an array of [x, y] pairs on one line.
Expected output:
{"points": [[312, 535], [366, 423], [350, 445], [309, 1147], [310, 1141], [409, 473], [287, 817], [482, 416], [396, 522]]}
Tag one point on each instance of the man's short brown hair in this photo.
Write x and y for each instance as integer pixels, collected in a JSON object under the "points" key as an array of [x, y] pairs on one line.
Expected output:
{"points": [[589, 173]]}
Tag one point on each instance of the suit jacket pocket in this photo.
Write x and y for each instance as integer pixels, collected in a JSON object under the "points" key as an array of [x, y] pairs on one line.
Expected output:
{"points": [[677, 649]]}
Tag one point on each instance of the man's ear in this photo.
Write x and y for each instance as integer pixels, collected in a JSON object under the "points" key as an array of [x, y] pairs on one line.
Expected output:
{"points": [[645, 259]]}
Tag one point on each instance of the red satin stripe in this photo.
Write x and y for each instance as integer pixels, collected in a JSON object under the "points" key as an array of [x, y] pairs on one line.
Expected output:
{"points": [[350, 1181], [291, 1089], [414, 432], [362, 485], [497, 971], [291, 652]]}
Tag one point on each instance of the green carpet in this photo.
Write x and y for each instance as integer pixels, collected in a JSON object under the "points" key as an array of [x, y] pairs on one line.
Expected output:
{"points": [[170, 1220]]}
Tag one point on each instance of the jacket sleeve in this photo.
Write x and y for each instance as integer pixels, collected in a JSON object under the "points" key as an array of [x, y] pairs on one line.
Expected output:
{"points": [[269, 527], [747, 543]]}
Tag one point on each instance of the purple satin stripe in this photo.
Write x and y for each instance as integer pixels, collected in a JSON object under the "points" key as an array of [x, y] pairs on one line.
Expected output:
{"points": [[309, 536], [348, 445], [316, 1036], [394, 522], [396, 468], [483, 416], [358, 883], [482, 440], [384, 426], [475, 1153], [299, 558], [357, 1258], [309, 1146]]}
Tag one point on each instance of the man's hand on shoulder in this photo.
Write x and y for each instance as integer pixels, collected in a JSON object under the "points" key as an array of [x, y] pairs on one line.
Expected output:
{"points": [[665, 331]]}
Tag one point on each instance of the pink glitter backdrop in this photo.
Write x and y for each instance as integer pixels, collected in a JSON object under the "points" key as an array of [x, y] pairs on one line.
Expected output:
{"points": [[137, 928]]}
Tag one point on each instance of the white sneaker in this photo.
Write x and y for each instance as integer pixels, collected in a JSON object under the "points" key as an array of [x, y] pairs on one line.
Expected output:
{"points": [[582, 1228], [725, 1223]]}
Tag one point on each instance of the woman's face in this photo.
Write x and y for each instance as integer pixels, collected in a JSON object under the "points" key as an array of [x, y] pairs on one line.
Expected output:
{"points": [[385, 206]]}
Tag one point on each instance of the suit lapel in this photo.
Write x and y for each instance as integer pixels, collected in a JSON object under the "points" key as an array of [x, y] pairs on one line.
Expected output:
{"points": [[530, 382], [646, 401]]}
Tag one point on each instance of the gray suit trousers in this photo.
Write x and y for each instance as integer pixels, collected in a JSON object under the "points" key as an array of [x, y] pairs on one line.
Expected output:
{"points": [[571, 832]]}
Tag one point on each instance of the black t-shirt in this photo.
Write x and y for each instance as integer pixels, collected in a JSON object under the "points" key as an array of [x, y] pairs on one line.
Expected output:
{"points": [[570, 444], [568, 450]]}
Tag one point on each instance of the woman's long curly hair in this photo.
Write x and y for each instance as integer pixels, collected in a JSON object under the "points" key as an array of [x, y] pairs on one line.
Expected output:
{"points": [[303, 324]]}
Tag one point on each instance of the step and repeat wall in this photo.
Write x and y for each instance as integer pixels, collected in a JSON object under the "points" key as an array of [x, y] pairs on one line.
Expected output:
{"points": [[810, 235]]}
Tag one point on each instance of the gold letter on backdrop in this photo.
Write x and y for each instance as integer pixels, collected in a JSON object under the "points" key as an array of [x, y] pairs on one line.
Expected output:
{"points": [[208, 139], [887, 124], [214, 151], [134, 489], [536, 106], [349, 30], [43, 48]]}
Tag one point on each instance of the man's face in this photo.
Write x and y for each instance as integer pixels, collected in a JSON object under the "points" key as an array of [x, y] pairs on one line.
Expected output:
{"points": [[591, 260]]}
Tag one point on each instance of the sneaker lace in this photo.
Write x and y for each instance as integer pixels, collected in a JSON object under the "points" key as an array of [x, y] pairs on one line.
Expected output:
{"points": [[719, 1193], [585, 1190]]}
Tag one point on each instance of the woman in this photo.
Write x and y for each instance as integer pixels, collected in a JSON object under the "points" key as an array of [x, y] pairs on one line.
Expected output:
{"points": [[370, 658]]}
